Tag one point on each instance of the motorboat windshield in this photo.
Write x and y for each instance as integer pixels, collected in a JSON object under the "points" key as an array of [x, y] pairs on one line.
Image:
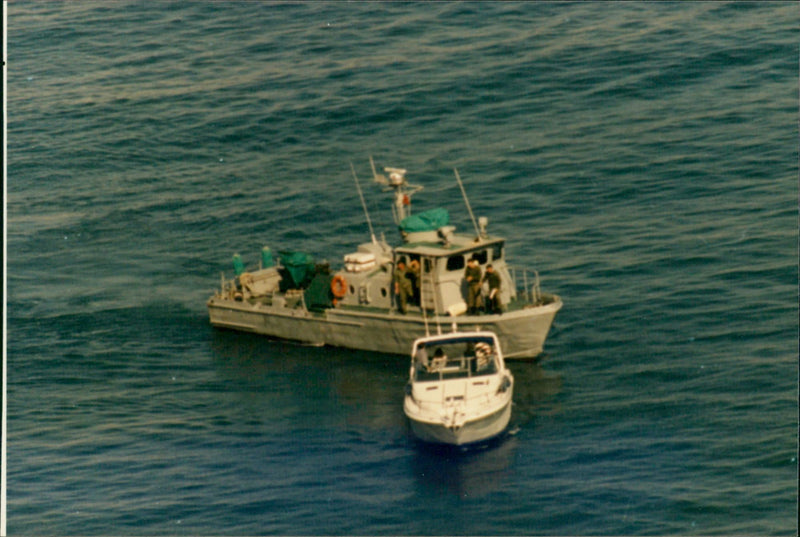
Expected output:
{"points": [[455, 358]]}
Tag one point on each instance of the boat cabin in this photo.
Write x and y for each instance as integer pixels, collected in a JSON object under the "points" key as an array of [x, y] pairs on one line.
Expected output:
{"points": [[437, 259], [442, 287]]}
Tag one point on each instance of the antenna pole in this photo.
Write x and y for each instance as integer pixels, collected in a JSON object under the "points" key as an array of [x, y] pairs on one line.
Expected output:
{"points": [[374, 172], [466, 201], [422, 296], [364, 205]]}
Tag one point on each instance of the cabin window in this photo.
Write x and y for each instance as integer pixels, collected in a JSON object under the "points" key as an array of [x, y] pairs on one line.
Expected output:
{"points": [[455, 263], [497, 251], [352, 290], [383, 292], [428, 265], [482, 257]]}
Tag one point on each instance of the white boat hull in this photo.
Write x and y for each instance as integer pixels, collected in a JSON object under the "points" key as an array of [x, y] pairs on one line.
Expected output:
{"points": [[479, 429]]}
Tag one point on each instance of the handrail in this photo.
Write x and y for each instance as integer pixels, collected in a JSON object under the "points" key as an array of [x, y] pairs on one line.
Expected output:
{"points": [[532, 293]]}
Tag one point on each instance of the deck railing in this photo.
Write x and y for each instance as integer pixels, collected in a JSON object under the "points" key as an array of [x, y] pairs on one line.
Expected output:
{"points": [[528, 281]]}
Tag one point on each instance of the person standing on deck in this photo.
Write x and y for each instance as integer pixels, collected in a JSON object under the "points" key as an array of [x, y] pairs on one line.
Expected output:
{"points": [[402, 286], [493, 279], [414, 275], [473, 276]]}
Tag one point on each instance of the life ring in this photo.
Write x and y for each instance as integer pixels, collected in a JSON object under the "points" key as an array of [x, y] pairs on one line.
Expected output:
{"points": [[339, 286]]}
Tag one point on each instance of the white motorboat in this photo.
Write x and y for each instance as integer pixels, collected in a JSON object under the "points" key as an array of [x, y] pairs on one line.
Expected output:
{"points": [[459, 390]]}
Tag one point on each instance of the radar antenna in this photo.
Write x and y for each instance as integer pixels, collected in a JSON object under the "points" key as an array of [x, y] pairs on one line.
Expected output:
{"points": [[402, 190]]}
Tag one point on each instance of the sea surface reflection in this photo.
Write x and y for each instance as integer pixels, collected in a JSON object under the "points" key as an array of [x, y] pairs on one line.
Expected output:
{"points": [[357, 397], [469, 472]]}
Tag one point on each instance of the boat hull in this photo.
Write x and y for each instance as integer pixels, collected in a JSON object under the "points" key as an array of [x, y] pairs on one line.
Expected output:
{"points": [[478, 430], [522, 333]]}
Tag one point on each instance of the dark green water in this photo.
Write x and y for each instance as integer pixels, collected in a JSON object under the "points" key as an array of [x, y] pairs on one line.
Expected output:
{"points": [[641, 156]]}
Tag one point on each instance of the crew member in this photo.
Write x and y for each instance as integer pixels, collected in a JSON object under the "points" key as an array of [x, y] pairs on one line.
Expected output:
{"points": [[414, 275], [439, 360], [493, 304], [473, 276], [422, 357], [402, 286]]}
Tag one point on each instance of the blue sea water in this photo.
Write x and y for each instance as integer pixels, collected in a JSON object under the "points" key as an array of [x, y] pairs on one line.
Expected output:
{"points": [[643, 157]]}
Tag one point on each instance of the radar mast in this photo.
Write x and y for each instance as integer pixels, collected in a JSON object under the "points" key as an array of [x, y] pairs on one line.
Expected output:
{"points": [[396, 181]]}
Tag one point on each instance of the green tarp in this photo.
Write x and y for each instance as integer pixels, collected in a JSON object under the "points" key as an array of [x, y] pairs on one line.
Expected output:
{"points": [[300, 266], [318, 295], [425, 221]]}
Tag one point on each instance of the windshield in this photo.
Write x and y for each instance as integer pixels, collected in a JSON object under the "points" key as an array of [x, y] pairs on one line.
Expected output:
{"points": [[451, 360]]}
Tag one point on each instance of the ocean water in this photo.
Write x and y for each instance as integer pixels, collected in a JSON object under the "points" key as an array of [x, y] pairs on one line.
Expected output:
{"points": [[643, 157]]}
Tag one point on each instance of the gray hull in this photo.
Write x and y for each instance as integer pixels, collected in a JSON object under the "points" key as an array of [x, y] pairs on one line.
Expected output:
{"points": [[522, 333]]}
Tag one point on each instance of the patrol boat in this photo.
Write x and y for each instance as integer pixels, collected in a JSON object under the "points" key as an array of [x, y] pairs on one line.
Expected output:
{"points": [[356, 305], [459, 389]]}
